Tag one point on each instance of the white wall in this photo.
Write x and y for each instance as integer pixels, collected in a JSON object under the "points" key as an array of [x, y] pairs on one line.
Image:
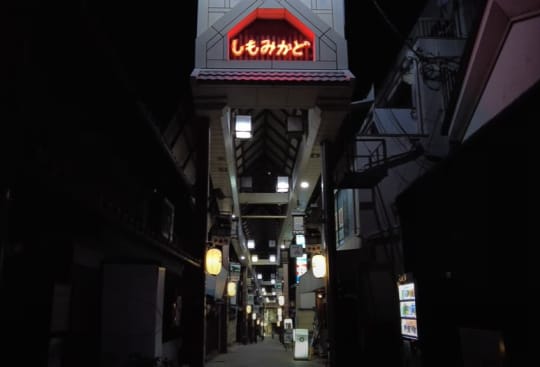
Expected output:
{"points": [[516, 70]]}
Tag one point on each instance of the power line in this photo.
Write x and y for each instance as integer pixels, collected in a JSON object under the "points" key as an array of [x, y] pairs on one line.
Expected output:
{"points": [[396, 30]]}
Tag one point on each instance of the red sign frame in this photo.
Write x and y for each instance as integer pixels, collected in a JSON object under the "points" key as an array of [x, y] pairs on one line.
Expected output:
{"points": [[271, 34]]}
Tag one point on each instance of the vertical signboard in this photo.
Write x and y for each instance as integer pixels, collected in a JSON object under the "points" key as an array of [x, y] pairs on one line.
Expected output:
{"points": [[407, 308], [301, 343]]}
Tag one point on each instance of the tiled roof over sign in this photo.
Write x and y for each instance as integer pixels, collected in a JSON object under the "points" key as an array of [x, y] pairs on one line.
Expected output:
{"points": [[300, 76]]}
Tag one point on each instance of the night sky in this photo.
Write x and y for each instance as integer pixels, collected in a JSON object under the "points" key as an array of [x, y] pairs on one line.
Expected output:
{"points": [[152, 43]]}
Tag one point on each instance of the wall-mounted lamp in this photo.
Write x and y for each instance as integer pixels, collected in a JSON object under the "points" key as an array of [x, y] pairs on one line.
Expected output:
{"points": [[242, 126], [254, 258], [212, 261], [250, 244], [248, 309], [318, 264], [231, 289], [281, 300]]}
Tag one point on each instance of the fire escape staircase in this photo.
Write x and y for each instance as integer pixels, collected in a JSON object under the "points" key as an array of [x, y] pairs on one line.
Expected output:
{"points": [[365, 163]]}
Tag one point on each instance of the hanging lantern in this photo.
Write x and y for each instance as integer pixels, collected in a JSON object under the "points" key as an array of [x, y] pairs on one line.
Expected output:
{"points": [[318, 264], [254, 316], [231, 289], [213, 261], [281, 300], [248, 309]]}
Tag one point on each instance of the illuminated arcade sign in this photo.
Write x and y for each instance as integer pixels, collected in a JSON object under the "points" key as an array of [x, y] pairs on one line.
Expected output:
{"points": [[271, 34], [268, 47]]}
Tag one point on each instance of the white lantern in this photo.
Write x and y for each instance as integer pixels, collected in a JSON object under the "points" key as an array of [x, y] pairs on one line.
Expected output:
{"points": [[318, 264], [231, 289], [281, 300], [248, 309], [213, 261]]}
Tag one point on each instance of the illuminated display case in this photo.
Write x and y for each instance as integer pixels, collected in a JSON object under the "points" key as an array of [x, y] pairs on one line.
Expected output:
{"points": [[407, 308]]}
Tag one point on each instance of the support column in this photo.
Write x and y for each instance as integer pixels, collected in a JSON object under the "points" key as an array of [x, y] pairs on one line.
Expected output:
{"points": [[327, 196]]}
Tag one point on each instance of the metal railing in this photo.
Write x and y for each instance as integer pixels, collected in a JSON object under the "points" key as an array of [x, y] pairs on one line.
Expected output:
{"points": [[364, 154], [434, 28]]}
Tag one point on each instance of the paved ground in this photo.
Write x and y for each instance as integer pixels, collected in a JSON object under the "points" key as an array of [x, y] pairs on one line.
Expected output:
{"points": [[268, 353]]}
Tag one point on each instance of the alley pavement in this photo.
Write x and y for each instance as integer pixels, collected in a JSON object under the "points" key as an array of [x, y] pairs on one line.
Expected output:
{"points": [[267, 353]]}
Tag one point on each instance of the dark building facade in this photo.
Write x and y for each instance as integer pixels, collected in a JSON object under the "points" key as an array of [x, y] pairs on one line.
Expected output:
{"points": [[113, 182]]}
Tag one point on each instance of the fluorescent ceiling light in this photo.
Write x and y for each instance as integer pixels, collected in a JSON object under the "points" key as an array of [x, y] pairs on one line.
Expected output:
{"points": [[282, 184], [242, 126], [243, 134]]}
